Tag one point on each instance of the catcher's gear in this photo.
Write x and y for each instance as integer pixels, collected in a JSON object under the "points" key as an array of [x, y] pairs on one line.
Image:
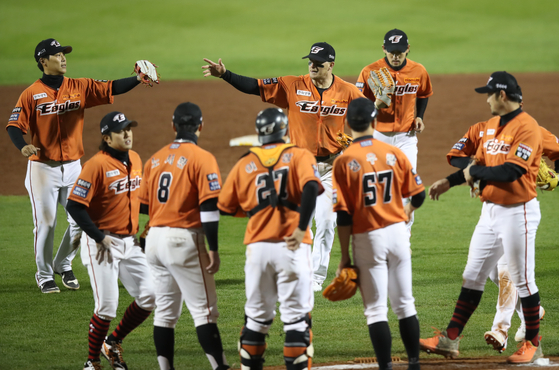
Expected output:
{"points": [[382, 85], [271, 125], [343, 286], [547, 178], [344, 139], [147, 71]]}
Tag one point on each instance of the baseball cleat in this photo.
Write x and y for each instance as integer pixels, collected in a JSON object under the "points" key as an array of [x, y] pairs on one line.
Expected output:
{"points": [[69, 280], [441, 345], [49, 287], [521, 332], [113, 353], [527, 353], [497, 339], [92, 365]]}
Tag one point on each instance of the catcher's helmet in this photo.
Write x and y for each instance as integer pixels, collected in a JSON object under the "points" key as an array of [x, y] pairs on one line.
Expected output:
{"points": [[271, 125]]}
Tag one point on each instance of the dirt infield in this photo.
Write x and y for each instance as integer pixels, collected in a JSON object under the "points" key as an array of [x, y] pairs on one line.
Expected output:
{"points": [[228, 114]]}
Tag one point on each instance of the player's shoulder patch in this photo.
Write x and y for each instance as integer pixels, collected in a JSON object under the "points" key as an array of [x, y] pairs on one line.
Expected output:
{"points": [[80, 192], [304, 93], [84, 184], [112, 173], [459, 146], [390, 159], [359, 85], [334, 196], [523, 151], [418, 180], [14, 117], [214, 185], [354, 165], [39, 96], [16, 110], [269, 81]]}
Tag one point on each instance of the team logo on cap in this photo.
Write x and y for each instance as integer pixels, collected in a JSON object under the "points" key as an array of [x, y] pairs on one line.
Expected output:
{"points": [[119, 118], [316, 49], [55, 43], [395, 39]]}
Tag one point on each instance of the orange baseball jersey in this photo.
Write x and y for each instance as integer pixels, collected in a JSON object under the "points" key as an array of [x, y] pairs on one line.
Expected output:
{"points": [[55, 118], [468, 145], [369, 181], [177, 179], [518, 142], [111, 190], [313, 122], [248, 188], [412, 82]]}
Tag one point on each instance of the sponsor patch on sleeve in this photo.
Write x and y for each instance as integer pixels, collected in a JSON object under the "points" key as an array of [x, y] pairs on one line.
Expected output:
{"points": [[523, 151], [334, 196], [459, 146], [84, 184], [211, 176], [360, 85], [315, 170], [14, 117], [16, 110], [214, 185], [418, 180], [80, 192], [269, 81]]}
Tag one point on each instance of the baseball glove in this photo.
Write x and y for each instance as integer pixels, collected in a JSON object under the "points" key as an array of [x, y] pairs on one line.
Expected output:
{"points": [[344, 139], [382, 85], [547, 178], [343, 286], [147, 71]]}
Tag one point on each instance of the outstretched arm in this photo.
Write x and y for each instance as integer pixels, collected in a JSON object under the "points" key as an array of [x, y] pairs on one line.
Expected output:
{"points": [[248, 85]]}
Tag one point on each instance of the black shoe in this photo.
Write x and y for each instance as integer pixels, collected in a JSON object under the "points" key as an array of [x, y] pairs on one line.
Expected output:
{"points": [[69, 280], [49, 287]]}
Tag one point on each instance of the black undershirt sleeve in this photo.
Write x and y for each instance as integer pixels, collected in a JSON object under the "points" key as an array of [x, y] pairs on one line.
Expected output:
{"points": [[460, 162], [456, 178], [308, 203], [344, 218], [124, 85], [144, 209], [248, 85], [16, 135], [417, 199], [507, 172], [79, 213], [210, 228], [557, 165], [420, 106]]}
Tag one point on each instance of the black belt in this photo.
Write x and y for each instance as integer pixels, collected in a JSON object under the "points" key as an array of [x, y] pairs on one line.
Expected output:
{"points": [[324, 158]]}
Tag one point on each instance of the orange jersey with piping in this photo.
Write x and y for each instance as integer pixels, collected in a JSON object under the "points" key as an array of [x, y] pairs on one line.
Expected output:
{"points": [[412, 82], [468, 145], [313, 121], [245, 189], [54, 119], [177, 179], [518, 142], [369, 181], [110, 189]]}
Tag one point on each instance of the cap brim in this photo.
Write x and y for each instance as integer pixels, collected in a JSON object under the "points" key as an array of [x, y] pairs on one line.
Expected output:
{"points": [[123, 125], [483, 89], [67, 49], [400, 48], [315, 57]]}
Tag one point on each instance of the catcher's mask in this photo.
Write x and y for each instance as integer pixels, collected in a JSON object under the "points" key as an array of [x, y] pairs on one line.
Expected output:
{"points": [[271, 125]]}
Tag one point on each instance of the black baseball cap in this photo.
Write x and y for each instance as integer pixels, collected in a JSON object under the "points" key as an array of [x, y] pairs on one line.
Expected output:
{"points": [[501, 81], [396, 40], [360, 113], [50, 47], [114, 122], [187, 114], [321, 52]]}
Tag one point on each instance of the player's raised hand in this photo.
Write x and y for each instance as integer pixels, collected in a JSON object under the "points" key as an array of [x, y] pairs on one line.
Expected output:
{"points": [[29, 150], [294, 240], [438, 188], [213, 267], [214, 69], [104, 249]]}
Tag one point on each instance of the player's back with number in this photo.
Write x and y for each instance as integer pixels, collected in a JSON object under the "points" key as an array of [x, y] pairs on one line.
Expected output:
{"points": [[372, 178], [177, 179]]}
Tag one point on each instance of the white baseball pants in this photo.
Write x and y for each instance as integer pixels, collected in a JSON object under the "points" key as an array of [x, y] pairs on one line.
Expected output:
{"points": [[384, 262], [274, 273], [178, 259], [50, 183], [129, 265]]}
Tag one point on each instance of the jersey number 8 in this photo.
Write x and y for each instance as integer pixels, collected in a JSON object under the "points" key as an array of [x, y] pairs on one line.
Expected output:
{"points": [[165, 180]]}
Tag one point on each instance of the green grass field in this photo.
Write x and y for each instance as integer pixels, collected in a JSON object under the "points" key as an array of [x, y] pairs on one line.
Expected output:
{"points": [[268, 38], [51, 330]]}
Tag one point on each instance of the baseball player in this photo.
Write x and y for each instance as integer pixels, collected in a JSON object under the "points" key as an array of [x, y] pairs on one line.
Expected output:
{"points": [[105, 203], [316, 105], [508, 161], [276, 185], [180, 188], [398, 124], [370, 179], [51, 111], [460, 156]]}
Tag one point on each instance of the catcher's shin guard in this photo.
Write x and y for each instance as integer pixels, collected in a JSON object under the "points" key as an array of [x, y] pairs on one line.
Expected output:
{"points": [[251, 349], [298, 349]]}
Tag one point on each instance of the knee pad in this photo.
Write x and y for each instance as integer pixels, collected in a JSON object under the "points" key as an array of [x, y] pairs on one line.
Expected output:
{"points": [[298, 349], [251, 349]]}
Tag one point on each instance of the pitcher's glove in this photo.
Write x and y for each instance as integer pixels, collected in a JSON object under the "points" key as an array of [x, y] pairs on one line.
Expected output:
{"points": [[143, 236], [344, 139], [547, 178], [382, 85], [146, 72], [342, 287]]}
